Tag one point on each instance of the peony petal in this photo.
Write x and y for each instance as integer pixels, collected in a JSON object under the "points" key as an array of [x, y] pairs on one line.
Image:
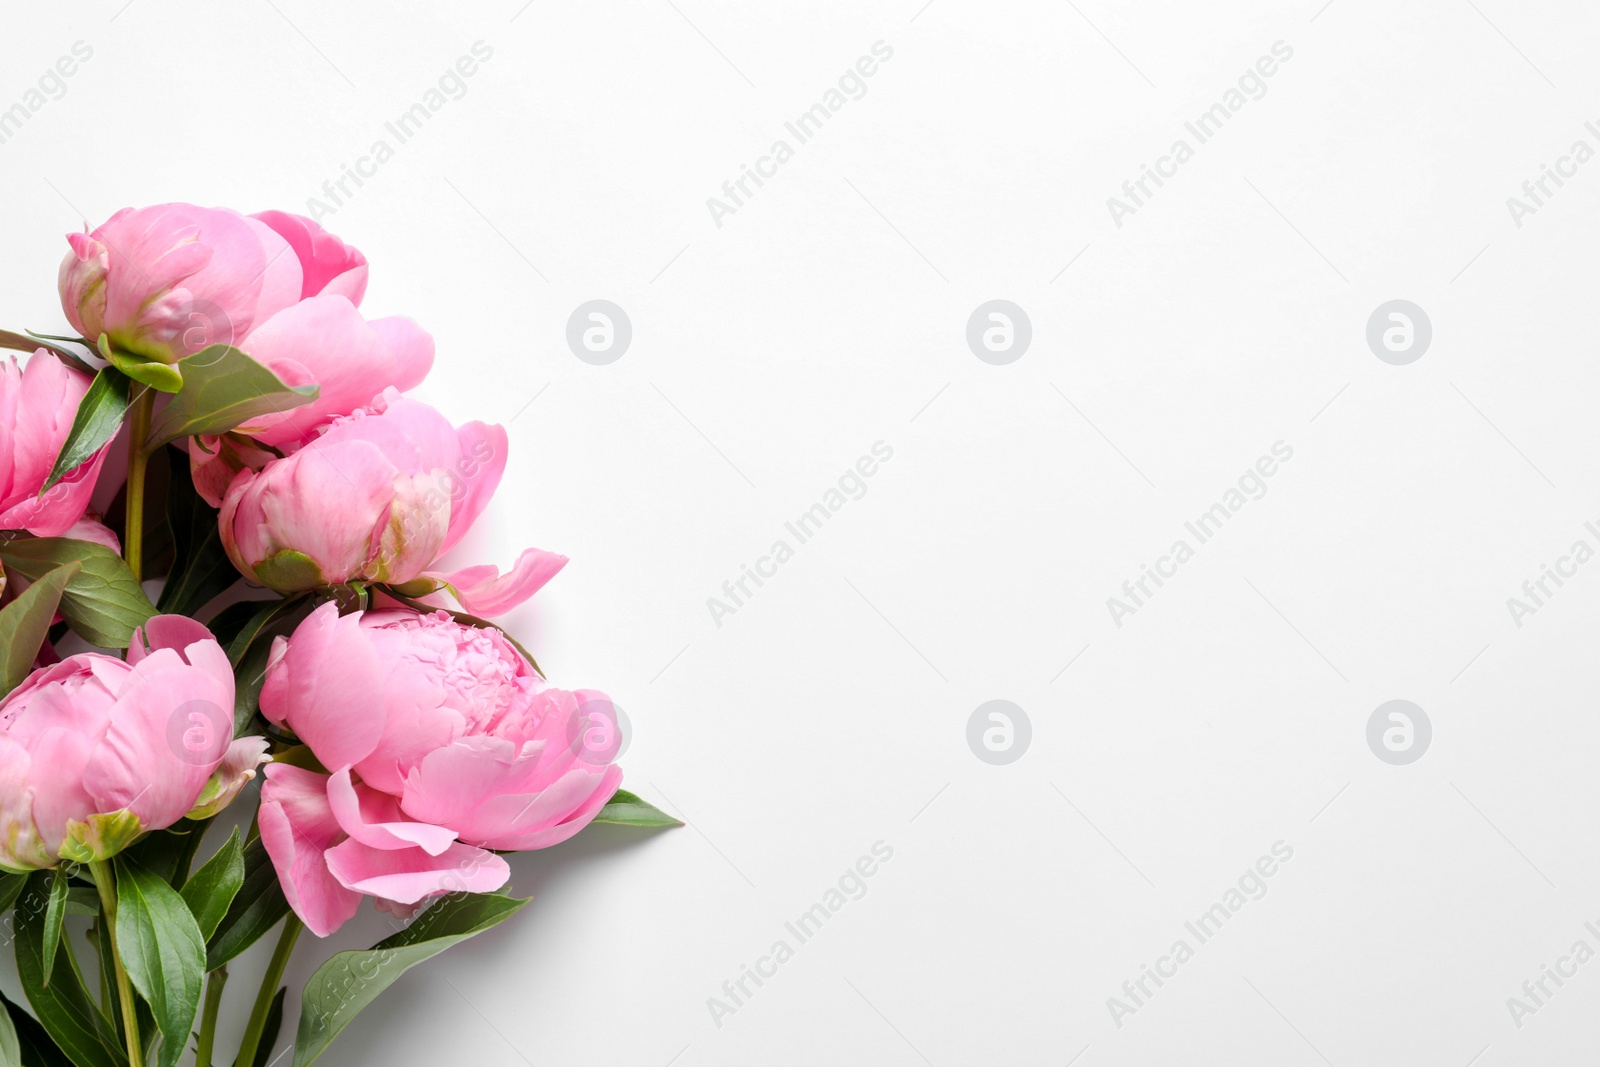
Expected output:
{"points": [[327, 263], [213, 467], [410, 350], [324, 339], [485, 592], [321, 687], [483, 450], [375, 818], [21, 846], [297, 828], [524, 836], [238, 766], [452, 782], [409, 875], [176, 632]]}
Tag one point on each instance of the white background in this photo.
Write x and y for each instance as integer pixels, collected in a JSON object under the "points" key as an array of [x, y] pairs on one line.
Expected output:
{"points": [[828, 313]]}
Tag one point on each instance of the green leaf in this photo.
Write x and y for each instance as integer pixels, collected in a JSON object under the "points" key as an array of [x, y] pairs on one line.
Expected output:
{"points": [[211, 889], [169, 852], [269, 1031], [163, 953], [351, 980], [626, 809], [223, 390], [102, 603], [201, 568], [227, 622], [108, 988], [36, 341], [248, 651], [33, 1045], [99, 416], [54, 913], [250, 676], [64, 1008], [25, 624], [10, 1047], [256, 908], [11, 887], [262, 623], [82, 900], [84, 341]]}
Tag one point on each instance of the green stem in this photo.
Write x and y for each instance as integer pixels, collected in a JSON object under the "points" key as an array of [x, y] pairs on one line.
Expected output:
{"points": [[105, 882], [208, 1016], [138, 431], [269, 989], [105, 990]]}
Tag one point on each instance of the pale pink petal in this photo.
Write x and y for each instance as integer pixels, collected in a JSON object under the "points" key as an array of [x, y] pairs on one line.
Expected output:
{"points": [[176, 632], [483, 591], [297, 827], [453, 781], [410, 349], [409, 875], [483, 451], [327, 263], [325, 340], [238, 767], [322, 685], [375, 818], [21, 845], [524, 835], [414, 436]]}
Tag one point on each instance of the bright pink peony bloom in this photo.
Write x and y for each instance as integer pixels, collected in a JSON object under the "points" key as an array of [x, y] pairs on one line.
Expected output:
{"points": [[378, 497], [442, 743], [164, 282], [36, 409], [95, 751]]}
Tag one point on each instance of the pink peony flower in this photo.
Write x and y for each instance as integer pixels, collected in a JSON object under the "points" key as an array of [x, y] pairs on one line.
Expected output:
{"points": [[37, 405], [95, 751], [378, 497], [164, 282], [441, 744]]}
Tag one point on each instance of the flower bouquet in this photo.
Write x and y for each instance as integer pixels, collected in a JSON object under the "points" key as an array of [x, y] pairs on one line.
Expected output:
{"points": [[291, 504]]}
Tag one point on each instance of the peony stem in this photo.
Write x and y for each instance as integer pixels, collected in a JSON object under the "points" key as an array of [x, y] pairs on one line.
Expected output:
{"points": [[105, 882], [208, 1016], [269, 989], [138, 430]]}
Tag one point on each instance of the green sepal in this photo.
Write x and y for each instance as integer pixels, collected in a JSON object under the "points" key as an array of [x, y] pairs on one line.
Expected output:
{"points": [[101, 837], [290, 572]]}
